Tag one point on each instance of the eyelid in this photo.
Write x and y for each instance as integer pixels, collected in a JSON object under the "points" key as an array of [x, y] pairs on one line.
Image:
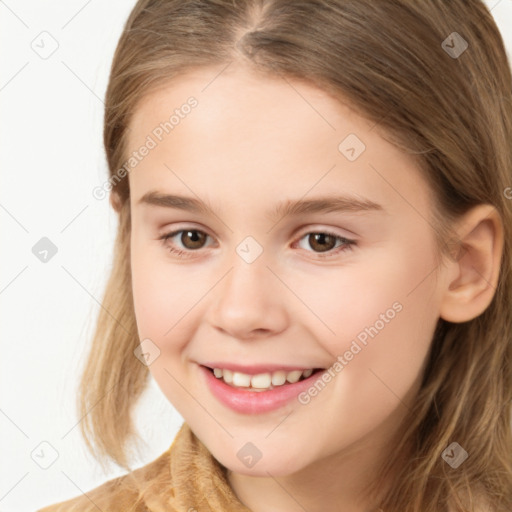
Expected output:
{"points": [[175, 229], [323, 228]]}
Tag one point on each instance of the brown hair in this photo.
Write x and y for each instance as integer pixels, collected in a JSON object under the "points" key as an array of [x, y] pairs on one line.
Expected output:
{"points": [[454, 114]]}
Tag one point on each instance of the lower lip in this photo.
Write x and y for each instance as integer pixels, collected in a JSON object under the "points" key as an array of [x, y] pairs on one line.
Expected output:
{"points": [[255, 402]]}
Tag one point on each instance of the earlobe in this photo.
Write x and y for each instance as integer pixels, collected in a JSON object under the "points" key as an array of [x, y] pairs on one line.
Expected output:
{"points": [[476, 266]]}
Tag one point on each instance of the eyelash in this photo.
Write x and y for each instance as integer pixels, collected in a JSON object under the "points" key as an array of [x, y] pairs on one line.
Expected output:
{"points": [[347, 244]]}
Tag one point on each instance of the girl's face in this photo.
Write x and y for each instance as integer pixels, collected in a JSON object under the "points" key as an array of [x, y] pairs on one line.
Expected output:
{"points": [[280, 267]]}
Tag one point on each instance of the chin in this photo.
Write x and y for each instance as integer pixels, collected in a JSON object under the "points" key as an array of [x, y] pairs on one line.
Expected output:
{"points": [[275, 466]]}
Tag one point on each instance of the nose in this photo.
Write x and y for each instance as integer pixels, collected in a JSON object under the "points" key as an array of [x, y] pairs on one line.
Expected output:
{"points": [[249, 301]]}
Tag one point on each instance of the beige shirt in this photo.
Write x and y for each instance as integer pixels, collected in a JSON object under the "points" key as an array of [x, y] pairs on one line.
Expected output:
{"points": [[185, 478]]}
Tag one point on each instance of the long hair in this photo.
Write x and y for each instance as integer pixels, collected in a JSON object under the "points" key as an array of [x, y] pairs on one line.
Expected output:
{"points": [[391, 60]]}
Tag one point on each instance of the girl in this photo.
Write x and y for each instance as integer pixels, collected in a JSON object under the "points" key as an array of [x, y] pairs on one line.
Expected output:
{"points": [[313, 258]]}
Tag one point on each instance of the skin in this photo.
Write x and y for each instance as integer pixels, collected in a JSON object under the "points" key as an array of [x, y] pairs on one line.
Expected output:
{"points": [[251, 142]]}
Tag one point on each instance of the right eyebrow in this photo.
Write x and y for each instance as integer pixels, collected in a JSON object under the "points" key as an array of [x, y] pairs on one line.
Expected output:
{"points": [[155, 198]]}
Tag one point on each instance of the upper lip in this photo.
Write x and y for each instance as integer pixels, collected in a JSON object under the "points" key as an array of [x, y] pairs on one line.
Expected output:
{"points": [[256, 369]]}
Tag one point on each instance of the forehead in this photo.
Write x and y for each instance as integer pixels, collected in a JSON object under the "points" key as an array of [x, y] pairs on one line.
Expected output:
{"points": [[242, 97], [253, 133]]}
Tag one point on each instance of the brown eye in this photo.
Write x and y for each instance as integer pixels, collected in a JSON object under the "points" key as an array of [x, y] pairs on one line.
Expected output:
{"points": [[192, 238], [325, 244], [322, 241]]}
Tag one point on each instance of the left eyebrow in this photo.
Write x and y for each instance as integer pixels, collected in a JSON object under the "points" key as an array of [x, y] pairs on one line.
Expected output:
{"points": [[325, 205], [289, 207]]}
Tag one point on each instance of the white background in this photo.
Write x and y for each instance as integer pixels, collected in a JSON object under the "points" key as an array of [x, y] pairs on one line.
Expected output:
{"points": [[51, 159]]}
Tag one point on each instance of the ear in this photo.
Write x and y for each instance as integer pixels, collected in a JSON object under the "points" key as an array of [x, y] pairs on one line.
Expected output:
{"points": [[475, 270], [114, 201]]}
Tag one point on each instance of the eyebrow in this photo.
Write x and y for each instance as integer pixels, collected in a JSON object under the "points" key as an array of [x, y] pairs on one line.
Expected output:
{"points": [[325, 204]]}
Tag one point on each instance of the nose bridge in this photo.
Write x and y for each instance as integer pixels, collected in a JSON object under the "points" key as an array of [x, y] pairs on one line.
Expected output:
{"points": [[248, 274], [247, 280], [248, 299]]}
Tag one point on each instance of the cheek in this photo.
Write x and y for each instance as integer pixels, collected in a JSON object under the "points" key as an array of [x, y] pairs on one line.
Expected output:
{"points": [[383, 316], [167, 298], [158, 294], [381, 312], [164, 298], [349, 298]]}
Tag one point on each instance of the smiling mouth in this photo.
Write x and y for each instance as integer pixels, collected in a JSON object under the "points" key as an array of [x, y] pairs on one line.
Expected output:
{"points": [[262, 381]]}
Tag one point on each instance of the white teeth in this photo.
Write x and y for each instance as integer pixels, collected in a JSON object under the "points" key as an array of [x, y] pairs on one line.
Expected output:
{"points": [[261, 381], [278, 378], [241, 380], [293, 376]]}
